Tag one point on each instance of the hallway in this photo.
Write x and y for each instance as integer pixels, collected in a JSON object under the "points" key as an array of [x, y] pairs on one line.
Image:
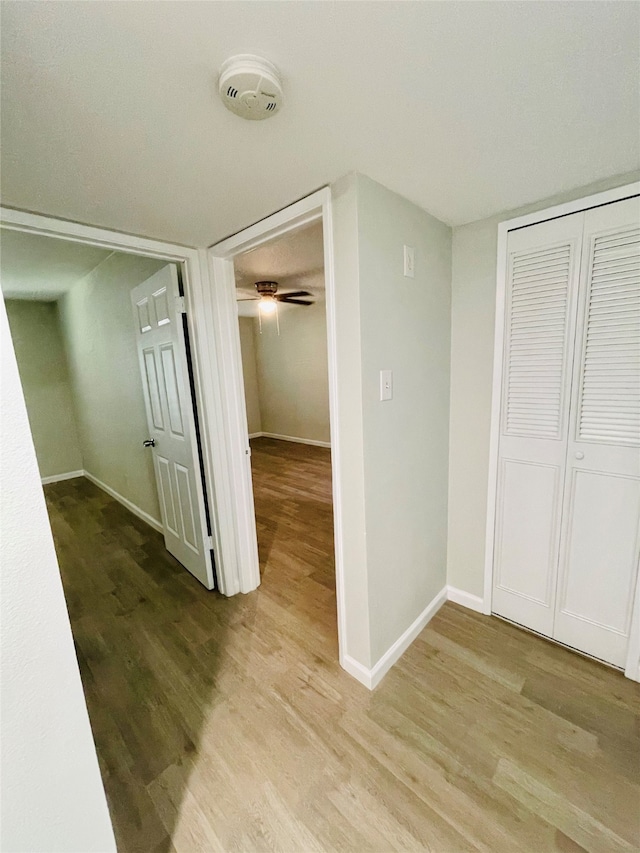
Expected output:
{"points": [[227, 724]]}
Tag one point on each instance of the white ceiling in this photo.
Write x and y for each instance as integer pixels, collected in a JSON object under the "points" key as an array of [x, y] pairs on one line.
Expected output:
{"points": [[295, 261], [110, 113], [43, 268]]}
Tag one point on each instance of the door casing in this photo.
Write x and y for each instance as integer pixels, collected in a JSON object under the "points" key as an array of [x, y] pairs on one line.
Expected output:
{"points": [[224, 316], [632, 668]]}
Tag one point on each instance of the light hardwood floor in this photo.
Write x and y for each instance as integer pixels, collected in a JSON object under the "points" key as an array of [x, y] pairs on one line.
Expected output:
{"points": [[227, 724]]}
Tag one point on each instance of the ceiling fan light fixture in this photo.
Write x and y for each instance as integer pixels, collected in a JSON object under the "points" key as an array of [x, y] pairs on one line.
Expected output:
{"points": [[267, 305]]}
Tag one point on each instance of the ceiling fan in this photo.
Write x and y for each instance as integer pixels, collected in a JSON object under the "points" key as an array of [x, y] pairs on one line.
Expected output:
{"points": [[269, 297]]}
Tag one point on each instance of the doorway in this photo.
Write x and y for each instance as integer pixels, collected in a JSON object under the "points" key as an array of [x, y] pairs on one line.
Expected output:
{"points": [[312, 210], [280, 294], [96, 386]]}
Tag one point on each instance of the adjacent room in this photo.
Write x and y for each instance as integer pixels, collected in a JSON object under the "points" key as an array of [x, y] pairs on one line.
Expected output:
{"points": [[69, 308], [283, 340], [106, 404]]}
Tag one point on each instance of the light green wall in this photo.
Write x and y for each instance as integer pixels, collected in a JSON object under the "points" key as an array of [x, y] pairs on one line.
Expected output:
{"points": [[250, 374], [286, 382], [35, 331], [293, 374], [98, 329], [394, 454], [472, 333], [404, 326]]}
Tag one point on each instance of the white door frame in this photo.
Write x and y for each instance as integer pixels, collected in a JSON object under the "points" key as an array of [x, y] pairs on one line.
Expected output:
{"points": [[314, 207], [632, 669], [197, 301]]}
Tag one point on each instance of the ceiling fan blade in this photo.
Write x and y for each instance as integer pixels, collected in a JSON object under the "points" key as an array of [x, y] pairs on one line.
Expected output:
{"points": [[247, 298], [295, 301], [294, 293]]}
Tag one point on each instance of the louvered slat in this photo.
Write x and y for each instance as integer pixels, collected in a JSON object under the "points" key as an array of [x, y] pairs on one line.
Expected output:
{"points": [[610, 394], [536, 341]]}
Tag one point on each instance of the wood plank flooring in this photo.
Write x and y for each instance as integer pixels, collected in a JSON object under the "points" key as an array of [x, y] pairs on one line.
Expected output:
{"points": [[227, 724]]}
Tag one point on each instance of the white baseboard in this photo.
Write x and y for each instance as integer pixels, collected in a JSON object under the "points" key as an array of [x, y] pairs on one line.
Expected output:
{"points": [[293, 438], [150, 520], [372, 677], [466, 599], [357, 670], [57, 478]]}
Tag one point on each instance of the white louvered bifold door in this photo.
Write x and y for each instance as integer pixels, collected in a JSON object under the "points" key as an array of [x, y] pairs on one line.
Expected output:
{"points": [[599, 547], [543, 268]]}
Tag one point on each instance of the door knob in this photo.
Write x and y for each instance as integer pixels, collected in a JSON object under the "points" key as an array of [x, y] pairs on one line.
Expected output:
{"points": [[150, 442], [579, 454]]}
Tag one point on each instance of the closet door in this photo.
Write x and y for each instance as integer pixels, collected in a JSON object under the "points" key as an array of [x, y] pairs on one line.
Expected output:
{"points": [[601, 512], [543, 268]]}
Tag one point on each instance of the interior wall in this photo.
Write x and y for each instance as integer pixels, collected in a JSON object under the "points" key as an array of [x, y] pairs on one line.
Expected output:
{"points": [[52, 794], [286, 381], [472, 337], [394, 454], [292, 370], [98, 331], [405, 325], [37, 341], [250, 375]]}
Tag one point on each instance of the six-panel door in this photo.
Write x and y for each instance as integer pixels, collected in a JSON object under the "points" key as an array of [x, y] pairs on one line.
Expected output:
{"points": [[165, 379]]}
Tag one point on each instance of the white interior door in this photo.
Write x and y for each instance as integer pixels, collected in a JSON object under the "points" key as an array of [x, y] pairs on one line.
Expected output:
{"points": [[167, 393], [542, 283], [599, 551]]}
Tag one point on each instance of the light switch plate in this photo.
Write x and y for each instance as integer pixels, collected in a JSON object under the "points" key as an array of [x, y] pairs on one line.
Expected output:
{"points": [[386, 385]]}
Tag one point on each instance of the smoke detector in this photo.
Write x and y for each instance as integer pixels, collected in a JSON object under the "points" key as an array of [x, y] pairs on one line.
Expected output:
{"points": [[250, 87]]}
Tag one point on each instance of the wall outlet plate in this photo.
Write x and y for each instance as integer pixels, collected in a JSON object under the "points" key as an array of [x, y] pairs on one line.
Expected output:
{"points": [[386, 385], [409, 262]]}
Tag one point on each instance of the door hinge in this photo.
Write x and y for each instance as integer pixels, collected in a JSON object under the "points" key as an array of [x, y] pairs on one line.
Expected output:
{"points": [[248, 451], [208, 542], [180, 306]]}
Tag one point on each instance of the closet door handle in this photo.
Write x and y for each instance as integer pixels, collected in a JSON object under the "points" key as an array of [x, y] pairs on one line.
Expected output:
{"points": [[579, 454]]}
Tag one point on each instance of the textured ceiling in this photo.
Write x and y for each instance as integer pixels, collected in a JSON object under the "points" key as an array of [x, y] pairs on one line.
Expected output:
{"points": [[110, 113], [295, 261], [35, 267]]}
